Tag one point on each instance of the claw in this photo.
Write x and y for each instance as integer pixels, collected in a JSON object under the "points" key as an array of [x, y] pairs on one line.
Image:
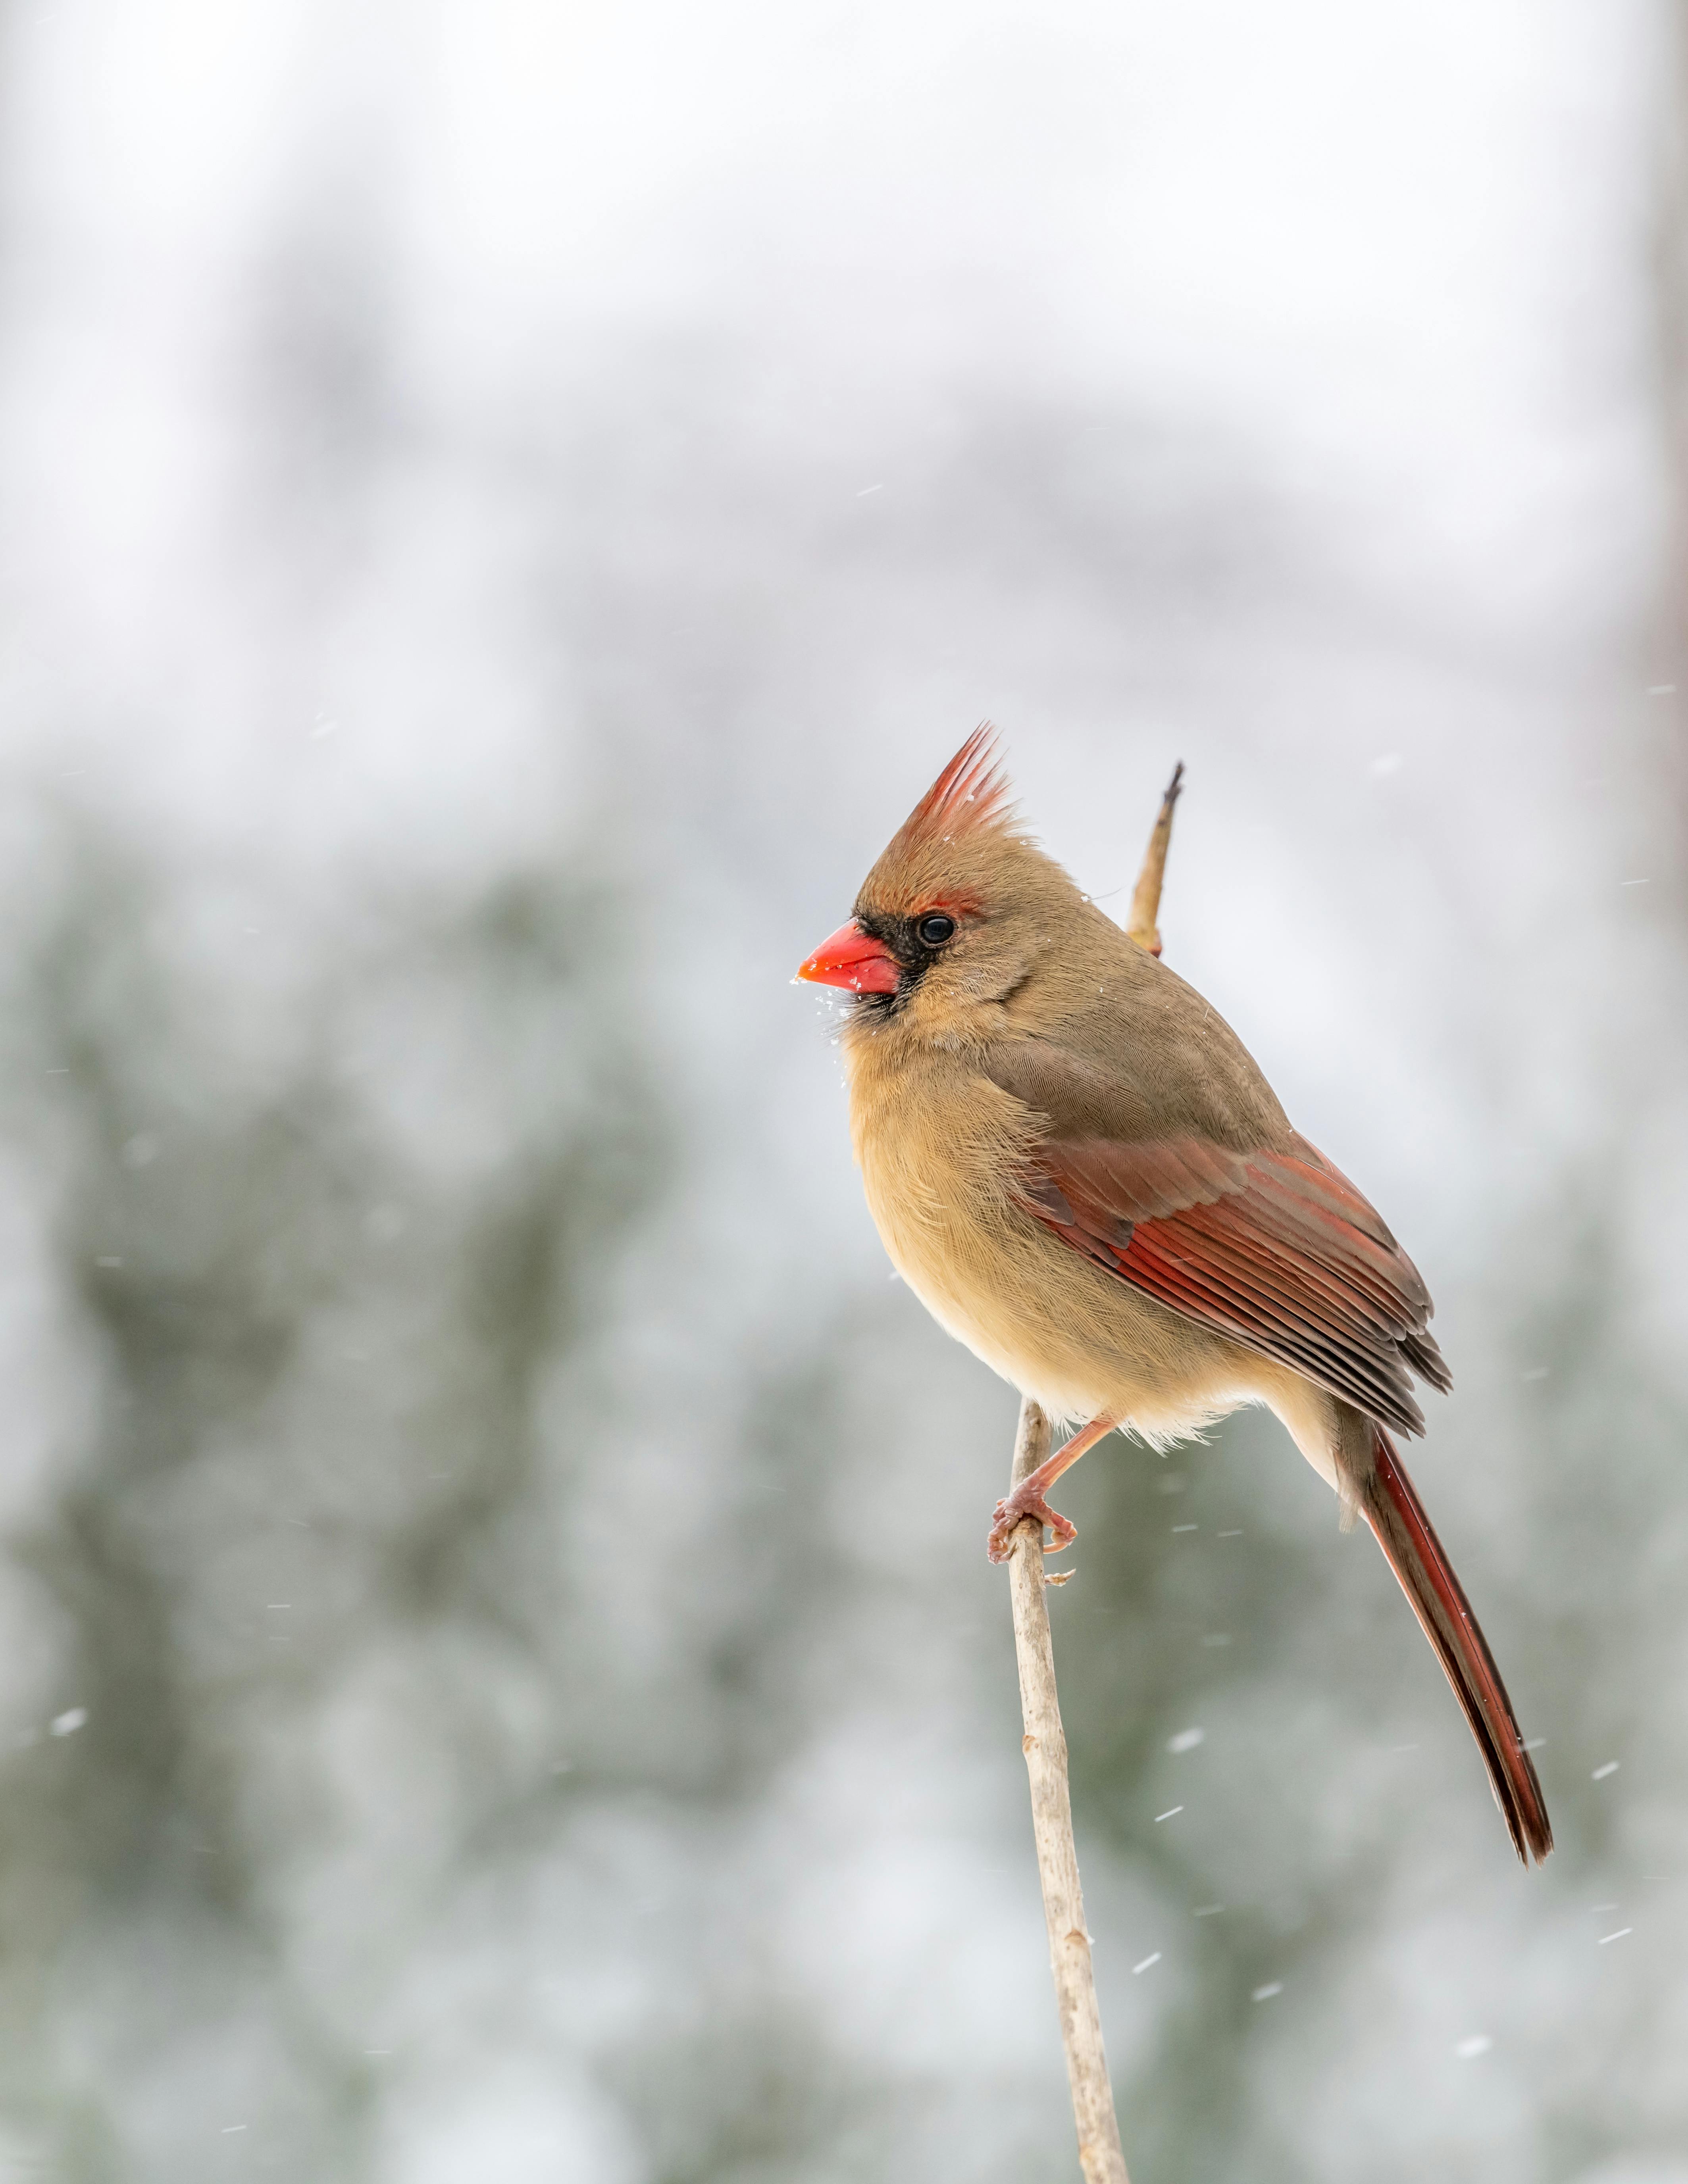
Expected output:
{"points": [[1012, 1512]]}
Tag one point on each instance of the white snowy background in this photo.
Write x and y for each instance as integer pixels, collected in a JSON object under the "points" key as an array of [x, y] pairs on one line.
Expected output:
{"points": [[502, 510]]}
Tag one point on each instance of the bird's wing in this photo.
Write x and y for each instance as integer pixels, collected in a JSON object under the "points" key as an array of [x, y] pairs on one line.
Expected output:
{"points": [[1270, 1245]]}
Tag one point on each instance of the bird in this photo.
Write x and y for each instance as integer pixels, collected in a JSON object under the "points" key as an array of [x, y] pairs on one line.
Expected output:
{"points": [[1080, 1171]]}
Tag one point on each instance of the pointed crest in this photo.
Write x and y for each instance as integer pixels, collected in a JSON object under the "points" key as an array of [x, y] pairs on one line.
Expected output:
{"points": [[970, 796]]}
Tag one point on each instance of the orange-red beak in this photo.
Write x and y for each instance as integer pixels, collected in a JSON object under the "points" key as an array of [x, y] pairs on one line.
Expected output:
{"points": [[854, 958]]}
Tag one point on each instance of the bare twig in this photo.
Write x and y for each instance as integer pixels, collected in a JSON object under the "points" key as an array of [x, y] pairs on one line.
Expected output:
{"points": [[1146, 902], [1100, 2154]]}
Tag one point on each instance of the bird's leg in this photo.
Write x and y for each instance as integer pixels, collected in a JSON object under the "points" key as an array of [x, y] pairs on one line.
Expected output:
{"points": [[1027, 1498]]}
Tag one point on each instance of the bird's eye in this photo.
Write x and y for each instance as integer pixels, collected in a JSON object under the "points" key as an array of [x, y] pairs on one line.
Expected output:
{"points": [[934, 930]]}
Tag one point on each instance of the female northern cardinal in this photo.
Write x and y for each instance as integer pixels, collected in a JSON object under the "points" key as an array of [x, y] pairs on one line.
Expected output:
{"points": [[1082, 1174]]}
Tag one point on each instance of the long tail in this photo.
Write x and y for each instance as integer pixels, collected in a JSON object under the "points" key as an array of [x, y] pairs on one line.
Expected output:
{"points": [[1404, 1532]]}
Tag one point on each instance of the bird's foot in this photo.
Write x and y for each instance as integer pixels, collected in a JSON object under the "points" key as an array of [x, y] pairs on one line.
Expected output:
{"points": [[1026, 1501]]}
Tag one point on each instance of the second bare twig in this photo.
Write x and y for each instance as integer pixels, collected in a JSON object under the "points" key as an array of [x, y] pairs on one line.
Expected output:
{"points": [[1145, 901]]}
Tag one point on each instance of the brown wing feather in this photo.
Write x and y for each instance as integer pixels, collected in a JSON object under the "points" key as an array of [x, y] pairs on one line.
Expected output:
{"points": [[1274, 1248]]}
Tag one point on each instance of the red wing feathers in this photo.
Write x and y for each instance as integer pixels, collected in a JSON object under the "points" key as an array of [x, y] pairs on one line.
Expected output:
{"points": [[1276, 1249]]}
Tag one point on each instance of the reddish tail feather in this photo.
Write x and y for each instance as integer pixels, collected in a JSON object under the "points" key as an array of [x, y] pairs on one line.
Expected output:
{"points": [[1404, 1532]]}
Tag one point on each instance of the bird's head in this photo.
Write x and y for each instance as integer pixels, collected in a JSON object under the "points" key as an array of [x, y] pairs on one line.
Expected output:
{"points": [[954, 920]]}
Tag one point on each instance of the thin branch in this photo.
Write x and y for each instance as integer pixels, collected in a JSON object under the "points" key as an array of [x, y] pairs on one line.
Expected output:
{"points": [[1100, 2157], [1146, 902]]}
